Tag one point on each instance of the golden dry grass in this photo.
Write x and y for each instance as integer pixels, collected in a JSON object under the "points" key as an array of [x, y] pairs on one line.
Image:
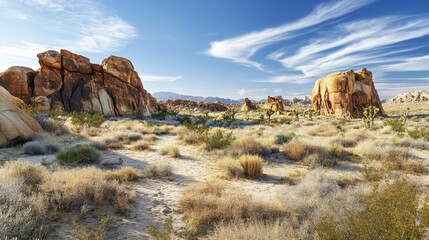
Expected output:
{"points": [[205, 204], [246, 146], [252, 166], [231, 167], [171, 151], [124, 174]]}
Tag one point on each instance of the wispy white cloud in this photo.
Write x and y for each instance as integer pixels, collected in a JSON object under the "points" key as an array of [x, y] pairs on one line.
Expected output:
{"points": [[298, 79], [152, 78], [277, 90], [245, 93], [240, 49], [83, 26], [409, 64]]}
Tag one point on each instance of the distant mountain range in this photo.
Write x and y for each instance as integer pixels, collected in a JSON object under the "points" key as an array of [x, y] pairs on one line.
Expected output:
{"points": [[164, 96]]}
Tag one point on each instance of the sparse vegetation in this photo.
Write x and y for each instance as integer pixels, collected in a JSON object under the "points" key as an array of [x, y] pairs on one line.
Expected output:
{"points": [[218, 139], [419, 132], [283, 138], [389, 211], [79, 155], [165, 233], [157, 170], [97, 233], [171, 151], [245, 146]]}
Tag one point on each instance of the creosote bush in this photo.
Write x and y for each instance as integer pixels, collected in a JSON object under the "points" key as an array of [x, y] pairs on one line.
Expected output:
{"points": [[79, 155], [419, 132], [218, 139], [252, 166], [390, 211], [283, 138]]}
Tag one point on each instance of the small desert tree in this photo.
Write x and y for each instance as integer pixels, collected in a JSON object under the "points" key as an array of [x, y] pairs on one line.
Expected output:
{"points": [[369, 115]]}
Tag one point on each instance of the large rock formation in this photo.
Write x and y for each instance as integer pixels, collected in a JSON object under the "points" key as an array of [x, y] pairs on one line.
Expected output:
{"points": [[247, 105], [274, 103], [411, 97], [345, 94], [15, 124], [70, 82]]}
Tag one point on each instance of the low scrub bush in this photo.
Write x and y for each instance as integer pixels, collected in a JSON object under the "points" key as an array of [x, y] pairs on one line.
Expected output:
{"points": [[297, 150], [141, 146], [323, 131], [218, 139], [125, 174], [112, 143], [397, 124], [419, 132], [157, 170], [79, 155], [128, 138], [171, 151], [82, 232], [390, 211], [34, 148], [192, 134], [252, 166], [165, 233], [283, 138], [231, 167], [246, 146]]}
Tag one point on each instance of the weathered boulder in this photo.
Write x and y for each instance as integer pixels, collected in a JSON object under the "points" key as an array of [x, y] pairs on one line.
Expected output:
{"points": [[274, 103], [70, 82], [15, 124], [19, 82], [247, 105], [345, 94]]}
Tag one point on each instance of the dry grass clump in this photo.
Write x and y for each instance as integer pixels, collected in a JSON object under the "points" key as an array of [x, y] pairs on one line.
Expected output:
{"points": [[311, 155], [190, 136], [412, 143], [284, 137], [254, 230], [141, 146], [112, 143], [128, 138], [392, 158], [125, 174], [79, 155], [21, 216], [293, 177], [29, 192], [322, 131], [162, 130], [252, 166], [246, 146], [297, 150], [151, 137], [158, 170], [70, 190], [231, 167], [206, 204], [171, 151]]}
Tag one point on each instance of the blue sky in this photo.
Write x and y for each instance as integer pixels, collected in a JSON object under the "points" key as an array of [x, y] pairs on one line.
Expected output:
{"points": [[235, 49]]}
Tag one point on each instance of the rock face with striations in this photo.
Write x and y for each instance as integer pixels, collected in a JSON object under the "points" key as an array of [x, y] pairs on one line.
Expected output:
{"points": [[345, 94], [247, 105], [274, 103], [70, 82], [15, 124]]}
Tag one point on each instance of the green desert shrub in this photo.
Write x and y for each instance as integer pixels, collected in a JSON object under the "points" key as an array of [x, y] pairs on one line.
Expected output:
{"points": [[396, 124], [390, 211], [283, 138], [218, 139], [419, 132], [192, 133], [79, 155]]}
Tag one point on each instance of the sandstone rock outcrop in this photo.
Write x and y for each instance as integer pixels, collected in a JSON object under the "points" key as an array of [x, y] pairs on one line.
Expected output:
{"points": [[247, 105], [345, 94], [70, 82], [410, 97], [179, 104], [15, 124], [274, 103]]}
